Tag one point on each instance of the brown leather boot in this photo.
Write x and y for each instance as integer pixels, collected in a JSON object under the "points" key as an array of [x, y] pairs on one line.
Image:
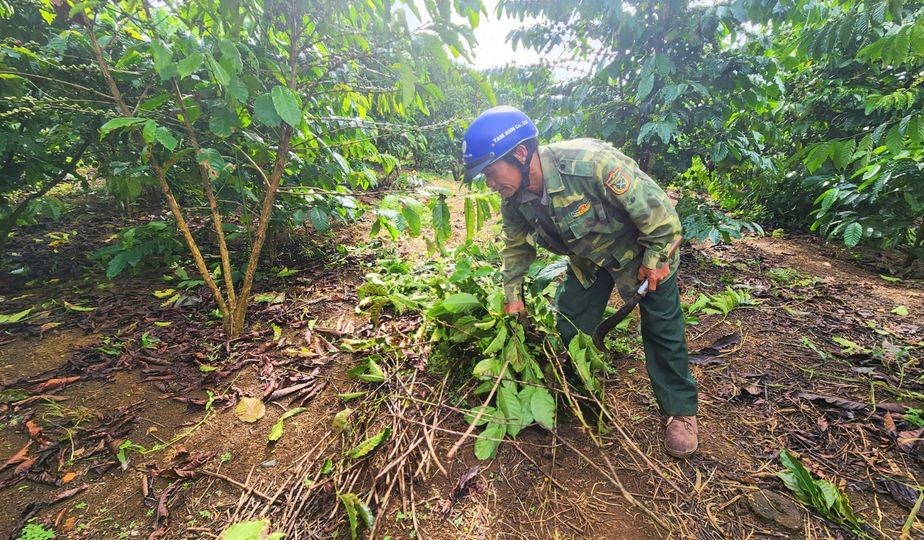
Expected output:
{"points": [[680, 436]]}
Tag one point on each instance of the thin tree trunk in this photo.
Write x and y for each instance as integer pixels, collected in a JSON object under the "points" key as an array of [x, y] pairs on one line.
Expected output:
{"points": [[213, 203], [282, 156], [161, 175]]}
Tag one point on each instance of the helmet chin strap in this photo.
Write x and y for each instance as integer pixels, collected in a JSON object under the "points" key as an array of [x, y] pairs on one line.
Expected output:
{"points": [[524, 171]]}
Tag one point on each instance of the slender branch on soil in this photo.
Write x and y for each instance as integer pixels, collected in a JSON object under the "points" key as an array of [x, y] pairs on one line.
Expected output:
{"points": [[247, 489], [617, 483]]}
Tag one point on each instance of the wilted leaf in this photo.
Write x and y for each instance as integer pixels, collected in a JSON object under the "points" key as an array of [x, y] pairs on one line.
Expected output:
{"points": [[251, 530], [461, 302], [370, 444], [847, 404], [250, 410], [509, 405], [11, 318], [74, 307], [342, 420], [277, 429], [903, 494], [164, 293], [542, 404]]}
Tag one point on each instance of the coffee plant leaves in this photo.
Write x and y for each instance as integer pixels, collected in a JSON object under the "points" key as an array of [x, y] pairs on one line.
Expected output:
{"points": [[508, 403], [287, 106], [489, 439], [542, 405]]}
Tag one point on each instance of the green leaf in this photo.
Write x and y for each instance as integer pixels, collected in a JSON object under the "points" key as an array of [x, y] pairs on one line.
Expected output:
{"points": [[894, 141], [488, 440], [406, 82], [367, 371], [843, 153], [190, 64], [148, 131], [440, 220], [489, 415], [542, 404], [222, 122], [118, 123], [250, 530], [367, 446], [853, 233], [74, 307], [498, 342], [412, 216], [817, 156], [238, 89], [645, 87], [319, 219], [230, 57], [166, 139], [265, 111], [276, 431], [350, 502], [901, 311], [525, 396], [287, 106], [219, 74], [461, 302], [485, 368], [12, 318], [163, 59], [508, 403]]}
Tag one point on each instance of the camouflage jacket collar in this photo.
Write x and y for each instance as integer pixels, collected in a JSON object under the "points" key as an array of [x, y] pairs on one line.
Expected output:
{"points": [[550, 175]]}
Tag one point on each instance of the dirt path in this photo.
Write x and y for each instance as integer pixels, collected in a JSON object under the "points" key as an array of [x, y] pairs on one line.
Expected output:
{"points": [[208, 468]]}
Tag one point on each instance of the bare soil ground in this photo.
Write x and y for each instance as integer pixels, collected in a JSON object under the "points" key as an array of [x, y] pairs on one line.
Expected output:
{"points": [[819, 363]]}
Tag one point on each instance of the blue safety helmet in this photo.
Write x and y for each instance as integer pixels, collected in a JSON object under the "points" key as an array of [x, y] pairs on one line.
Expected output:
{"points": [[493, 135]]}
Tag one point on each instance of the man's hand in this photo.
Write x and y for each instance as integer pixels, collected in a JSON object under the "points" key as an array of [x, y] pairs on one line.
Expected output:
{"points": [[653, 275], [515, 307]]}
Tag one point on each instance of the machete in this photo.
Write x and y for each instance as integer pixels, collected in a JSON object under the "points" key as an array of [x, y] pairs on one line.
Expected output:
{"points": [[610, 322]]}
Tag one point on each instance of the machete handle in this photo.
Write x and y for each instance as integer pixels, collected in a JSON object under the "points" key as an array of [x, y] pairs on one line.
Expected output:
{"points": [[604, 327]]}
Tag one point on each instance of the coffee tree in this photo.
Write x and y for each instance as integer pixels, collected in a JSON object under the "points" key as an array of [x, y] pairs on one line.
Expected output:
{"points": [[235, 103]]}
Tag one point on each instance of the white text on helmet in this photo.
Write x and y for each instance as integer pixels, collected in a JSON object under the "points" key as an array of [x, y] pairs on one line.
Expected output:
{"points": [[509, 131]]}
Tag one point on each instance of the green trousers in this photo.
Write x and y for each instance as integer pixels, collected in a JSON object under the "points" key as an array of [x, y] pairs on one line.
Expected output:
{"points": [[666, 357]]}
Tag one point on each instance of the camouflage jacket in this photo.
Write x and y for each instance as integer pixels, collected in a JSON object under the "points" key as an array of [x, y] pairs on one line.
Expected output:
{"points": [[608, 212]]}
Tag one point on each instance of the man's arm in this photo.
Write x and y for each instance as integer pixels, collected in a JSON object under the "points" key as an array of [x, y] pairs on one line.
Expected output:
{"points": [[517, 255], [627, 186]]}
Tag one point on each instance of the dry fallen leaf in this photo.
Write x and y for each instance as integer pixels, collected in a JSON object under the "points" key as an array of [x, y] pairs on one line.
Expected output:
{"points": [[250, 409], [68, 477]]}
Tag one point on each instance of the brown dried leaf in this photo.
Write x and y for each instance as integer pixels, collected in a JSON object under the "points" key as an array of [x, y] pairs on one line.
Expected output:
{"points": [[833, 401], [18, 457], [902, 493], [250, 410], [908, 440], [51, 384], [889, 424]]}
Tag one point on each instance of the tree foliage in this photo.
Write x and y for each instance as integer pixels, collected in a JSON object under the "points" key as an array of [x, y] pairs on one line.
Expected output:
{"points": [[798, 113], [243, 106]]}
